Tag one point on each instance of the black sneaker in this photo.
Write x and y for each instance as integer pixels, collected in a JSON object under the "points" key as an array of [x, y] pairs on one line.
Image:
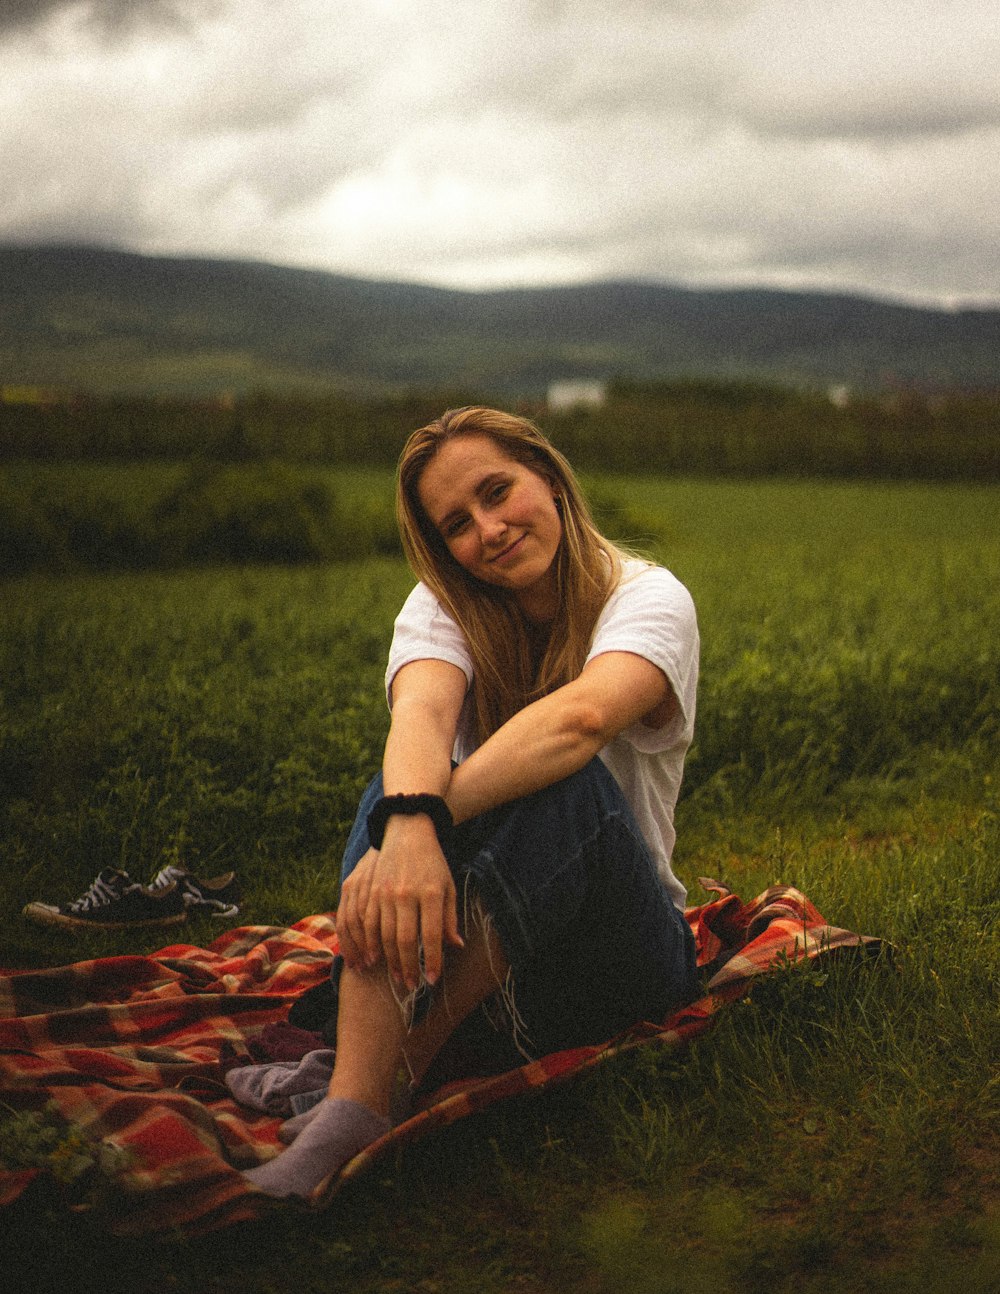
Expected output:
{"points": [[219, 896], [114, 902]]}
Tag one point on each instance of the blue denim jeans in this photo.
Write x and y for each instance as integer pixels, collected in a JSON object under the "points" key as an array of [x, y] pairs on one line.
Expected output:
{"points": [[593, 941]]}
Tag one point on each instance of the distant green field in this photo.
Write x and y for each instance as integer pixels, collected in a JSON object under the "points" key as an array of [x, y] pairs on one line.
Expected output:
{"points": [[836, 1132], [848, 630]]}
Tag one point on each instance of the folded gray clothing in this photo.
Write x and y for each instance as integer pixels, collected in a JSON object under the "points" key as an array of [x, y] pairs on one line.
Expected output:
{"points": [[302, 1101], [270, 1087]]}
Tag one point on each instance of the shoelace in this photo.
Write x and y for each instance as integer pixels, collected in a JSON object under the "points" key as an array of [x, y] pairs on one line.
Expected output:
{"points": [[171, 875], [192, 893], [166, 877], [100, 894]]}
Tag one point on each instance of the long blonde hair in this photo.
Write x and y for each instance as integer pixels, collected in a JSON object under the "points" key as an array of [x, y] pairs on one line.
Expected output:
{"points": [[511, 669]]}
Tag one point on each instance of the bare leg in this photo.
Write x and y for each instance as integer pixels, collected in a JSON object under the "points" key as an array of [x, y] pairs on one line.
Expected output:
{"points": [[473, 973], [373, 1045], [371, 1033]]}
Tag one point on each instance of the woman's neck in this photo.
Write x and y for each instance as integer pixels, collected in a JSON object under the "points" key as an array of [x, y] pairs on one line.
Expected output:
{"points": [[540, 604], [538, 641]]}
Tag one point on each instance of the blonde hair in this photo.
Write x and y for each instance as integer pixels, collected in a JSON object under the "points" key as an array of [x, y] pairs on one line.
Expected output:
{"points": [[510, 668]]}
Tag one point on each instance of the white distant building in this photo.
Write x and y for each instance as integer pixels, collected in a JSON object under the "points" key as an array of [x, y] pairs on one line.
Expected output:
{"points": [[572, 394]]}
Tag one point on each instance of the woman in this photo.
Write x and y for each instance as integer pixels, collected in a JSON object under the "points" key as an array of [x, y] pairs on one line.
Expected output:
{"points": [[515, 849]]}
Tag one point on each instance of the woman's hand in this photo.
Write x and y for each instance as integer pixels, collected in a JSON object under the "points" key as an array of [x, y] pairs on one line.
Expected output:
{"points": [[402, 897], [398, 899]]}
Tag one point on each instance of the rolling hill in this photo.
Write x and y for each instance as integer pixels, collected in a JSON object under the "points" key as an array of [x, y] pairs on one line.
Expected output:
{"points": [[112, 321]]}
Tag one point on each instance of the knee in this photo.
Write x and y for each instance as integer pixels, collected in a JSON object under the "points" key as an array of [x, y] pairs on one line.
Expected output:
{"points": [[589, 795]]}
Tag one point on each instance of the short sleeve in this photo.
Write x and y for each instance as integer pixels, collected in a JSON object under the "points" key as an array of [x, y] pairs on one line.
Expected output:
{"points": [[652, 615], [424, 631]]}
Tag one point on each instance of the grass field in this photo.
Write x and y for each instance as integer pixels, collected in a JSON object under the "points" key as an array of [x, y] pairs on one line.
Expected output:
{"points": [[837, 1131]]}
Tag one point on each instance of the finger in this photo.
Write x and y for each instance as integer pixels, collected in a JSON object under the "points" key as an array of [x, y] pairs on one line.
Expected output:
{"points": [[408, 928], [431, 916], [345, 921], [360, 926], [348, 948], [387, 936], [371, 926], [452, 934], [364, 930], [354, 897]]}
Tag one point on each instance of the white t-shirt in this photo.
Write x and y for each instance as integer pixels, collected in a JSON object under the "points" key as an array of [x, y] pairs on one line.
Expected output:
{"points": [[650, 614]]}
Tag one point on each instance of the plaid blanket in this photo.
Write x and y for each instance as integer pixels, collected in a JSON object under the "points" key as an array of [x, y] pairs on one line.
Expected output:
{"points": [[128, 1049]]}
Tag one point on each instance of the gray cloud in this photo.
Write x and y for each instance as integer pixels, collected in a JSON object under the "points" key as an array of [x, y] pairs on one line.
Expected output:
{"points": [[782, 141], [107, 16]]}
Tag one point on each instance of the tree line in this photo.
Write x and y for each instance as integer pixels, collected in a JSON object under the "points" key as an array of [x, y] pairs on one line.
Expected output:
{"points": [[680, 428]]}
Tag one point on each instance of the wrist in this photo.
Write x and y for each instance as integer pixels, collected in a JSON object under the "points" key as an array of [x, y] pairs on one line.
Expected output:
{"points": [[431, 806], [408, 832]]}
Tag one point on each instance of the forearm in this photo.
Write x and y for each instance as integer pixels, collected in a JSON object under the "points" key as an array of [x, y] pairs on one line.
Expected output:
{"points": [[543, 743], [402, 892], [417, 756], [557, 735]]}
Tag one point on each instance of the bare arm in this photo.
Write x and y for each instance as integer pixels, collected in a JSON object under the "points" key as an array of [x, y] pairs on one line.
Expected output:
{"points": [[427, 697], [557, 735], [403, 894]]}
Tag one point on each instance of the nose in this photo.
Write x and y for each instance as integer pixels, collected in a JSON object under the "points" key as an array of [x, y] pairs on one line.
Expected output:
{"points": [[491, 529]]}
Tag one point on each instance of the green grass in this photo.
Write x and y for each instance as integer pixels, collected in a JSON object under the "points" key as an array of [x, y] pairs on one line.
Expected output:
{"points": [[837, 1130]]}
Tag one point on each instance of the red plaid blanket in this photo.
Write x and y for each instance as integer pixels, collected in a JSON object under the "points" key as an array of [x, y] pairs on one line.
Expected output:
{"points": [[128, 1049]]}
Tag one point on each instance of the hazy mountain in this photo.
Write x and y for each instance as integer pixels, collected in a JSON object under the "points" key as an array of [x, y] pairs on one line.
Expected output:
{"points": [[114, 321]]}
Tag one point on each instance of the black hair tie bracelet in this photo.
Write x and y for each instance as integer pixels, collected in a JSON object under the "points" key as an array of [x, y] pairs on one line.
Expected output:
{"points": [[409, 805]]}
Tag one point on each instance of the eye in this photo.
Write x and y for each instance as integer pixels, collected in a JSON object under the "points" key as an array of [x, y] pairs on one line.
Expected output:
{"points": [[455, 527], [498, 491]]}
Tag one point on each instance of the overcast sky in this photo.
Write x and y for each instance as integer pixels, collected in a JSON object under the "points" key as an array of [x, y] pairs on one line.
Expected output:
{"points": [[844, 144]]}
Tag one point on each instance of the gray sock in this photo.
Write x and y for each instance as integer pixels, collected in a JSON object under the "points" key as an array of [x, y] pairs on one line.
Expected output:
{"points": [[335, 1132], [291, 1128], [401, 1108]]}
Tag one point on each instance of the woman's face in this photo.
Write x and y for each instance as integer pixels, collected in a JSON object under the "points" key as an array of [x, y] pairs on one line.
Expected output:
{"points": [[498, 519]]}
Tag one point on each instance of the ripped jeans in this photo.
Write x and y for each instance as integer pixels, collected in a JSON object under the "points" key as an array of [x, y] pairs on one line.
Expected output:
{"points": [[593, 941]]}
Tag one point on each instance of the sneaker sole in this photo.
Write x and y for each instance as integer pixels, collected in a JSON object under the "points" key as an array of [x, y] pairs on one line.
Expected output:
{"points": [[46, 918]]}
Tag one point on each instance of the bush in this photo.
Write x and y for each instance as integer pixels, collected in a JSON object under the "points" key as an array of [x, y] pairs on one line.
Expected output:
{"points": [[249, 514], [28, 539], [110, 518]]}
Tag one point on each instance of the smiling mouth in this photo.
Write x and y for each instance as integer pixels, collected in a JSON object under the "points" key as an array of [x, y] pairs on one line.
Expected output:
{"points": [[506, 552]]}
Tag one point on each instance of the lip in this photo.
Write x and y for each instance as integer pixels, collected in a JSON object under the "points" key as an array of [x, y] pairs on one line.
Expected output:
{"points": [[509, 551]]}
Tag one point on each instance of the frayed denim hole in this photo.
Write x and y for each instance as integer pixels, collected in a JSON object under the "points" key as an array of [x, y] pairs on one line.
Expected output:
{"points": [[500, 1009]]}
